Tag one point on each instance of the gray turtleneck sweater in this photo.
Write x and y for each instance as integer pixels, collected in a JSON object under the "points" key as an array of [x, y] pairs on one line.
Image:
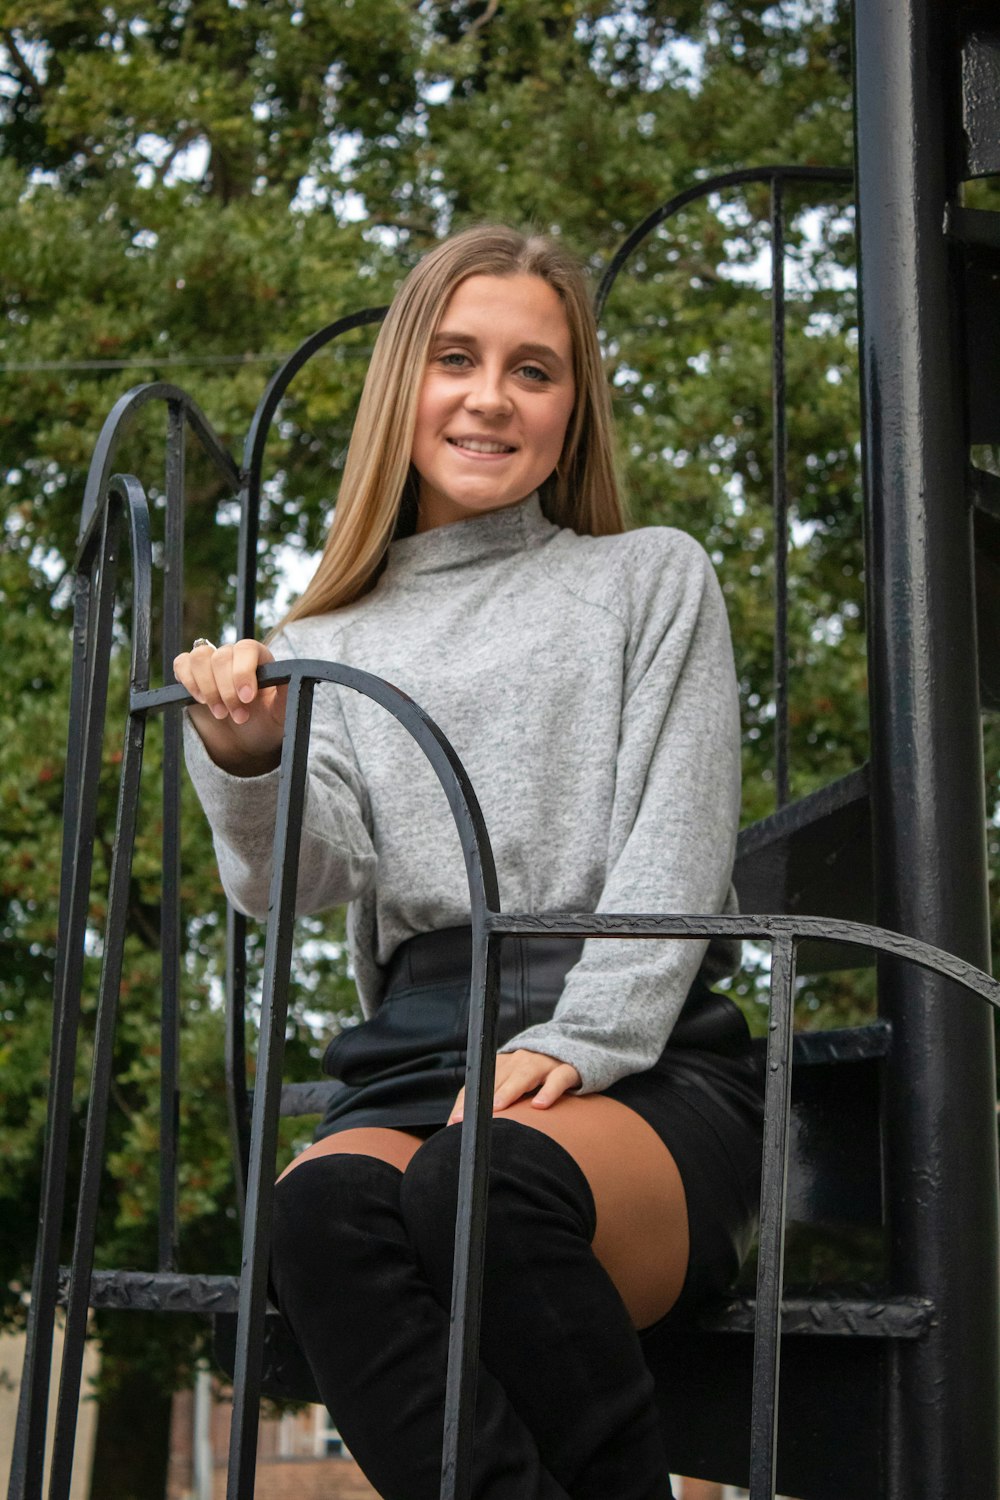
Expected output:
{"points": [[587, 684]]}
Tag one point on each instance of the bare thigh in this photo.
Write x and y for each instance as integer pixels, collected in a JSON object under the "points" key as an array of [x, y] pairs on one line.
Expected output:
{"points": [[397, 1147], [642, 1223], [642, 1227]]}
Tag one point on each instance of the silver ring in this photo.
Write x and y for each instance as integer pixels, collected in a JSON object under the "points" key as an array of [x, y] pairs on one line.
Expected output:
{"points": [[202, 641]]}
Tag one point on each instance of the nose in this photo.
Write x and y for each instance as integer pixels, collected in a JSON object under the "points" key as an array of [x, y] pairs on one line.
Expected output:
{"points": [[488, 394]]}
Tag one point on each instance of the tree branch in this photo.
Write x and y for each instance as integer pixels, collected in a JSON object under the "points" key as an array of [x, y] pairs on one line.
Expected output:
{"points": [[184, 139], [485, 19], [25, 72]]}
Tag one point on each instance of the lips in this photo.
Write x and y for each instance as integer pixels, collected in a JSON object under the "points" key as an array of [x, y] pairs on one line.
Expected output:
{"points": [[487, 446]]}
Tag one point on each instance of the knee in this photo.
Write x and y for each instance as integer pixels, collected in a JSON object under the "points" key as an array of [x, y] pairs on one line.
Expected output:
{"points": [[534, 1185], [325, 1210]]}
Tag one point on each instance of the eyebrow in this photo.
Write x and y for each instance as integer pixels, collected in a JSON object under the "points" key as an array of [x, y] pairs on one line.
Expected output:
{"points": [[536, 351]]}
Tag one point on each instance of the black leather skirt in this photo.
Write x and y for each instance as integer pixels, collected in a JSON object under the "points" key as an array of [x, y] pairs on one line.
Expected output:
{"points": [[703, 1096]]}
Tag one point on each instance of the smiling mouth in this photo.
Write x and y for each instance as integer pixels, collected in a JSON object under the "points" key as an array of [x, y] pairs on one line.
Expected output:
{"points": [[481, 445]]}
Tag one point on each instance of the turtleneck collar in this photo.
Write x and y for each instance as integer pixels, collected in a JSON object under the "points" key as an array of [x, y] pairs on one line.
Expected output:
{"points": [[499, 533]]}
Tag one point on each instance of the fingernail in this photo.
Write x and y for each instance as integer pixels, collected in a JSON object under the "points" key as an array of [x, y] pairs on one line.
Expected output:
{"points": [[240, 716], [246, 692], [220, 710]]}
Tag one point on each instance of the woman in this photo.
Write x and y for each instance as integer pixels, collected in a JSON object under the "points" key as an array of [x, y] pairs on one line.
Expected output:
{"points": [[477, 560]]}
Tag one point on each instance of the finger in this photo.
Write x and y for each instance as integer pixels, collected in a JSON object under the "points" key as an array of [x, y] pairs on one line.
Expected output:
{"points": [[560, 1081], [182, 670], [248, 655], [519, 1080], [222, 669], [457, 1109], [205, 663]]}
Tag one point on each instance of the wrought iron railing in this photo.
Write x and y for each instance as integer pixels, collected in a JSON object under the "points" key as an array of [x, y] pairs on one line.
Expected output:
{"points": [[114, 505], [776, 178], [97, 571]]}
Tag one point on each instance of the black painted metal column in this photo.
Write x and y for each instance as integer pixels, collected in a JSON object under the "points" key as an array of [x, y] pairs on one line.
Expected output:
{"points": [[926, 750]]}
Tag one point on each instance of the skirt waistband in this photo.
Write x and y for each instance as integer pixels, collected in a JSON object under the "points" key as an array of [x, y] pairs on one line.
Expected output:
{"points": [[537, 967], [405, 1064], [444, 957]]}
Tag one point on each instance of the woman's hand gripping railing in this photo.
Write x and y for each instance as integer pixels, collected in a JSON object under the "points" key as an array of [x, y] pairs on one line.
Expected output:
{"points": [[302, 677]]}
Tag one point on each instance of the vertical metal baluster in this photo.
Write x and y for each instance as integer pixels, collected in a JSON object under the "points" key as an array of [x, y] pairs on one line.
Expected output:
{"points": [[267, 1092], [93, 622], [237, 1091], [470, 1222], [770, 1266], [779, 468], [103, 1060], [29, 1440], [170, 917]]}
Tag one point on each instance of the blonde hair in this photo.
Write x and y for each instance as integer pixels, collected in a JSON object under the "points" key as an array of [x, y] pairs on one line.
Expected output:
{"points": [[581, 493]]}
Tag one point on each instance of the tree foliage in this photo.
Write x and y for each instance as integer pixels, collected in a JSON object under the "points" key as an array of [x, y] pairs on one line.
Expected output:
{"points": [[188, 188]]}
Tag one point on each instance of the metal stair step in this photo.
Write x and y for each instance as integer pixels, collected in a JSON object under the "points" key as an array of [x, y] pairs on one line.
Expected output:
{"points": [[837, 1316], [814, 857], [158, 1291]]}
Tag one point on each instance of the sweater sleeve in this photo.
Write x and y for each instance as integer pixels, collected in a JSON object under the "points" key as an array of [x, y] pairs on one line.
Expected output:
{"points": [[674, 820], [337, 859]]}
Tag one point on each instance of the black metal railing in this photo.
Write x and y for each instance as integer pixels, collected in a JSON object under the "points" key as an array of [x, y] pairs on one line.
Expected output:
{"points": [[113, 505], [97, 571], [776, 178]]}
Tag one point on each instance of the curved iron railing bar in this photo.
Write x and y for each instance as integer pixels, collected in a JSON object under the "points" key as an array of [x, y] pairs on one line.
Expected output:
{"points": [[125, 491], [483, 900], [96, 566], [251, 483], [253, 455], [776, 177], [120, 418], [454, 779], [760, 928], [671, 206], [181, 410]]}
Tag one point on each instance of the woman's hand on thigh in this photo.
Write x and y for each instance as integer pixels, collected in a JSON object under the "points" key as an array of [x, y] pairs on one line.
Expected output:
{"points": [[523, 1072]]}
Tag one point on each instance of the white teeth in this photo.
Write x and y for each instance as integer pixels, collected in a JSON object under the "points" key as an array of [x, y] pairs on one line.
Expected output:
{"points": [[479, 445]]}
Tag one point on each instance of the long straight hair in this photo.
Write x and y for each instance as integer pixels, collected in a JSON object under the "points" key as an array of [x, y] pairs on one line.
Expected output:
{"points": [[378, 481]]}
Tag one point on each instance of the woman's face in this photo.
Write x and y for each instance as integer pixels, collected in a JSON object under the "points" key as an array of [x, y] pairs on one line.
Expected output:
{"points": [[496, 398]]}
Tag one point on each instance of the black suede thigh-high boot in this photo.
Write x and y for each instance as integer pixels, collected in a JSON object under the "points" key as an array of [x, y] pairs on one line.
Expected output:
{"points": [[376, 1338], [555, 1332]]}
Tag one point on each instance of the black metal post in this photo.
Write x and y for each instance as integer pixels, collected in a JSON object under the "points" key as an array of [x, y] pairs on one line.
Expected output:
{"points": [[93, 620], [779, 490], [771, 1261], [127, 492], [170, 907], [267, 1095], [470, 1224], [941, 1171]]}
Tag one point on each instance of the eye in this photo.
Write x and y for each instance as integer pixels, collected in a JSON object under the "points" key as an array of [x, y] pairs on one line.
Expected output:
{"points": [[454, 360], [534, 373]]}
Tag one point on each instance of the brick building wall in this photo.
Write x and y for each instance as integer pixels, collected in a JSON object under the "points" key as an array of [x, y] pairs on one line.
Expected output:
{"points": [[292, 1458], [304, 1479]]}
